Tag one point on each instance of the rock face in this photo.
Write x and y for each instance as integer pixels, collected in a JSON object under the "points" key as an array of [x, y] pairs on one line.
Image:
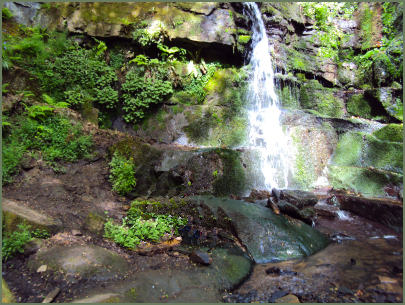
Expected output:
{"points": [[267, 237]]}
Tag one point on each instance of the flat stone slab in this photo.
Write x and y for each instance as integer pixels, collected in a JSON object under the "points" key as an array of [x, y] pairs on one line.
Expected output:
{"points": [[16, 212], [91, 262]]}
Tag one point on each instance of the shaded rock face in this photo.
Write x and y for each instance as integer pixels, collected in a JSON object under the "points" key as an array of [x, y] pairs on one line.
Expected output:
{"points": [[200, 24], [267, 237], [24, 12]]}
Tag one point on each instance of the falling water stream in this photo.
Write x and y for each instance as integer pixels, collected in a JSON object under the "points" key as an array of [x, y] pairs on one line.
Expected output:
{"points": [[266, 135]]}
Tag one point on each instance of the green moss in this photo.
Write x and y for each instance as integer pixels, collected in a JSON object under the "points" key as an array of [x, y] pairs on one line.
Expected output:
{"points": [[391, 133], [304, 170], [363, 150], [362, 180], [7, 296], [314, 96], [233, 178], [244, 39], [368, 26]]}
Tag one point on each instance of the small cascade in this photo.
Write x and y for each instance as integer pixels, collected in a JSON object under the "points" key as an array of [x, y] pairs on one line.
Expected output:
{"points": [[266, 135]]}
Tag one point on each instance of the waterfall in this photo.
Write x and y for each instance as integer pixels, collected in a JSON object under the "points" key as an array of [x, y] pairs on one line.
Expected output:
{"points": [[266, 135]]}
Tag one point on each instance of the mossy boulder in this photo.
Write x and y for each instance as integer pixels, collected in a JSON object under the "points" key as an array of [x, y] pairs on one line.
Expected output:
{"points": [[366, 181], [390, 133], [386, 102], [323, 100], [366, 164], [313, 149], [358, 105], [364, 150]]}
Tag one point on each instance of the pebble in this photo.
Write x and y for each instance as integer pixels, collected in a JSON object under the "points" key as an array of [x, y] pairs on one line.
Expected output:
{"points": [[76, 233], [289, 298], [42, 268]]}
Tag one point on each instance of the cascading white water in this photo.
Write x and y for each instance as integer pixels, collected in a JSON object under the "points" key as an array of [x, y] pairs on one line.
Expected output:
{"points": [[265, 131]]}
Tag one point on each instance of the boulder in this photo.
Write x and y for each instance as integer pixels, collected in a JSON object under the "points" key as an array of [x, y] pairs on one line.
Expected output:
{"points": [[298, 198], [385, 211], [170, 284], [6, 295], [200, 258], [267, 237], [90, 262], [15, 212]]}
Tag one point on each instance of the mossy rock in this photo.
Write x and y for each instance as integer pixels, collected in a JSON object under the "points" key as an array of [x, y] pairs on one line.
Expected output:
{"points": [[387, 102], [94, 223], [363, 150], [142, 153], [244, 39], [233, 178], [315, 97], [366, 181], [6, 295], [391, 133], [357, 105]]}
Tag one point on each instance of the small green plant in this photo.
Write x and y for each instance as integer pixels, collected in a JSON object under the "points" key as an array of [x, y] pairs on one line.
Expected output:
{"points": [[6, 13], [14, 242], [122, 174], [140, 226], [215, 173]]}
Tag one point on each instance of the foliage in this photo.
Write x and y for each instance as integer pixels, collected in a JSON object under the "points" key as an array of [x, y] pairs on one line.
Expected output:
{"points": [[54, 136], [140, 226], [6, 13], [14, 242], [196, 83], [66, 71], [145, 84], [122, 174]]}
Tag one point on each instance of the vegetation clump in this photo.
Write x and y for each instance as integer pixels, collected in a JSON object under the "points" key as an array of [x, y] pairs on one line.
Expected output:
{"points": [[14, 242], [122, 174], [140, 226]]}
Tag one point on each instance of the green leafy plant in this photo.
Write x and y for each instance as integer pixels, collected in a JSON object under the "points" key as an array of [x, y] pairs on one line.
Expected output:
{"points": [[6, 13], [140, 226], [55, 136], [215, 173], [14, 242], [122, 174], [144, 86]]}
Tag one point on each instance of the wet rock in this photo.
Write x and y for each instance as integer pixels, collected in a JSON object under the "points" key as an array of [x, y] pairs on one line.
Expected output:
{"points": [[385, 211], [15, 212], [267, 237], [289, 298], [200, 258], [278, 271], [277, 295], [258, 195], [326, 210], [51, 295], [299, 199], [306, 215], [91, 262]]}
